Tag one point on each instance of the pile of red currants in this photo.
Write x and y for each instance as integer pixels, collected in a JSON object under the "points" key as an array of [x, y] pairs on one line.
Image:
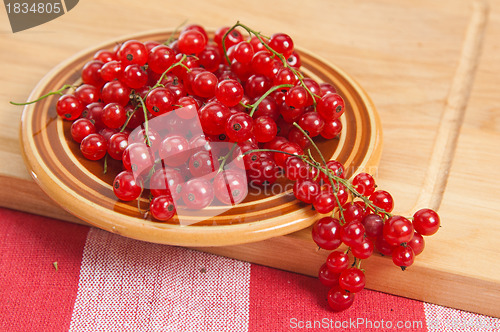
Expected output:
{"points": [[181, 114]]}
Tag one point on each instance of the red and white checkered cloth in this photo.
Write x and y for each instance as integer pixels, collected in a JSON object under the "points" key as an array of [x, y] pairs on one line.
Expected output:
{"points": [[105, 282]]}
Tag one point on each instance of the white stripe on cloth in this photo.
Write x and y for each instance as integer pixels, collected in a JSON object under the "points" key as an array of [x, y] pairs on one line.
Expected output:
{"points": [[442, 319], [129, 285]]}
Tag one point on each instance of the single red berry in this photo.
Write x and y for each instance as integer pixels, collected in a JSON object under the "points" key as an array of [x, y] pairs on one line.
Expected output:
{"points": [[111, 70], [117, 144], [340, 299], [326, 233], [162, 208], [87, 94], [325, 202], [174, 150], [69, 107], [364, 249], [353, 212], [331, 129], [166, 182], [289, 148], [81, 128], [229, 92], [239, 127], [91, 73], [133, 52], [312, 123], [383, 200], [115, 92], [230, 186], [327, 277], [213, 118], [160, 101], [383, 247], [397, 230], [364, 184], [373, 225], [243, 52], [417, 243], [161, 58], [330, 106], [282, 43], [403, 256], [306, 190], [426, 221], [210, 58], [191, 42], [265, 129], [197, 193], [352, 234], [134, 76], [352, 280], [337, 261], [126, 187], [93, 147], [114, 115]]}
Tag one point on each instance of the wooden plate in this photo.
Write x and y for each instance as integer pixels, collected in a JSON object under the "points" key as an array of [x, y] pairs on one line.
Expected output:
{"points": [[81, 188]]}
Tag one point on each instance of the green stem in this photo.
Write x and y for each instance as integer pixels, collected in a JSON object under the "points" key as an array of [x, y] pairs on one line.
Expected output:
{"points": [[327, 172], [268, 92], [172, 35], [58, 92], [146, 125], [224, 159], [129, 116]]}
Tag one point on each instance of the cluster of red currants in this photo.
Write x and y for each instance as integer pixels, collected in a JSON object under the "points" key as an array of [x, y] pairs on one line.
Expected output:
{"points": [[249, 93]]}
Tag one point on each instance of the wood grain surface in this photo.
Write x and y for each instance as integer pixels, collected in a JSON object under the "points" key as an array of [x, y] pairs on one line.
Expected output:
{"points": [[432, 71]]}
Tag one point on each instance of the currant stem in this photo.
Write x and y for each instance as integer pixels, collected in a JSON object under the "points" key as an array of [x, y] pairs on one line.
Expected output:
{"points": [[146, 125], [129, 116], [172, 35], [57, 92], [268, 92]]}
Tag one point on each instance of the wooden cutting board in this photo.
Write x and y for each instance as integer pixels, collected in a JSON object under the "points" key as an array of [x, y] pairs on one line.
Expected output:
{"points": [[432, 70]]}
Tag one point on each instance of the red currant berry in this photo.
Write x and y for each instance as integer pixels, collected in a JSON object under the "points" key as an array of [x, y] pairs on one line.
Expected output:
{"points": [[373, 225], [166, 182], [104, 56], [230, 187], [282, 43], [138, 158], [364, 184], [69, 107], [330, 106], [312, 123], [117, 144], [232, 38], [326, 233], [91, 73], [263, 171], [337, 261], [263, 63], [306, 190], [210, 58], [296, 97], [289, 148], [229, 92], [134, 76], [327, 277], [265, 129], [417, 243], [326, 88], [87, 94], [111, 70], [93, 147], [331, 129], [239, 127], [174, 150], [353, 212], [243, 52], [325, 202], [115, 92], [426, 221], [196, 27], [205, 84], [352, 280], [162, 208], [202, 163], [160, 101], [256, 85], [267, 107], [126, 187], [114, 115], [81, 128], [352, 234], [340, 299], [383, 200], [383, 247], [294, 60], [335, 168], [213, 118], [197, 194], [403, 256], [397, 230], [191, 42], [363, 250], [161, 58], [133, 52]]}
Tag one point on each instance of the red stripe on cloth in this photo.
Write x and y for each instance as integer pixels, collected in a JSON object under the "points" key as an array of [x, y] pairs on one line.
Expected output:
{"points": [[33, 295], [284, 301]]}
